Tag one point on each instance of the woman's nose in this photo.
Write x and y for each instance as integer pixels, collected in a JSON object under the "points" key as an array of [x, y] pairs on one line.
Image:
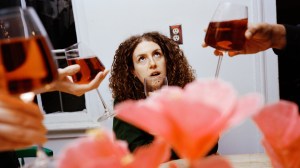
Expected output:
{"points": [[152, 63]]}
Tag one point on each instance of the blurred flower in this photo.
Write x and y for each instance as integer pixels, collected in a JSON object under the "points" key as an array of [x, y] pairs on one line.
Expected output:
{"points": [[190, 119], [101, 149], [280, 125]]}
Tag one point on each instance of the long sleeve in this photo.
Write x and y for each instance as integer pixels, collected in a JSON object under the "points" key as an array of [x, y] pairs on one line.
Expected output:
{"points": [[292, 40], [292, 36], [289, 65]]}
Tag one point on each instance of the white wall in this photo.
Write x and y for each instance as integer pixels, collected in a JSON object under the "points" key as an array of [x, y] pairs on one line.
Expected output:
{"points": [[104, 24]]}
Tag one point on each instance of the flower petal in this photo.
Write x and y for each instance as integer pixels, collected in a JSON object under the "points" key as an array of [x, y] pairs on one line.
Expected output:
{"points": [[146, 115], [152, 155], [99, 149], [216, 93], [280, 124], [247, 106]]}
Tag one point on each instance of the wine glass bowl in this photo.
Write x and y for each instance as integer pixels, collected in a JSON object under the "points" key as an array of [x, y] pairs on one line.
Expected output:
{"points": [[152, 84], [90, 66], [226, 30], [89, 63], [25, 52]]}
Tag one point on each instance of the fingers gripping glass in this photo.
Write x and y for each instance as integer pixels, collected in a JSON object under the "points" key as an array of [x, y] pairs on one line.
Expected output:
{"points": [[90, 66], [26, 59], [226, 30]]}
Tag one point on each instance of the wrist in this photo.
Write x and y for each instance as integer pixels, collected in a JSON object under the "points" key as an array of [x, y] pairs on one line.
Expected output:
{"points": [[278, 36]]}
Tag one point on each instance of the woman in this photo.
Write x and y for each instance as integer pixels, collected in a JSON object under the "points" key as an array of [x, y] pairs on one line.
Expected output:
{"points": [[150, 54]]}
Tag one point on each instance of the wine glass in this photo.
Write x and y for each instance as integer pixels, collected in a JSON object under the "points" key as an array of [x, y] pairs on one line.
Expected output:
{"points": [[26, 59], [152, 84], [90, 66], [226, 30]]}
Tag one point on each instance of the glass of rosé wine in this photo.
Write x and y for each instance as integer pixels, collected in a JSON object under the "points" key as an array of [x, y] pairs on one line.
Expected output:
{"points": [[90, 66], [226, 30], [26, 62], [154, 83]]}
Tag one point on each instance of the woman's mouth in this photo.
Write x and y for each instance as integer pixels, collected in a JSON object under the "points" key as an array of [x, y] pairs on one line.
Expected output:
{"points": [[155, 74]]}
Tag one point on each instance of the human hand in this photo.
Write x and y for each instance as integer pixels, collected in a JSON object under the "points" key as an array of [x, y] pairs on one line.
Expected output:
{"points": [[65, 83], [21, 124], [260, 37]]}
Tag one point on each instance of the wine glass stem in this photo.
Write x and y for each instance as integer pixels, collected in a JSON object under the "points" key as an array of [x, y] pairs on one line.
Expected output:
{"points": [[218, 66], [40, 152], [41, 160], [103, 103]]}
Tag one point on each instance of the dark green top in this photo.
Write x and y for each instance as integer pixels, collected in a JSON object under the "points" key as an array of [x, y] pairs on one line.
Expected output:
{"points": [[136, 137]]}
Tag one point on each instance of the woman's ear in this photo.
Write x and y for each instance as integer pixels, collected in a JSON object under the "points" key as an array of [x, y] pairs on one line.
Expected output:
{"points": [[133, 73]]}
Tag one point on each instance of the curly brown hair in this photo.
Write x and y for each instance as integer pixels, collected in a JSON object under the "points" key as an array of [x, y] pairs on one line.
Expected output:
{"points": [[125, 85]]}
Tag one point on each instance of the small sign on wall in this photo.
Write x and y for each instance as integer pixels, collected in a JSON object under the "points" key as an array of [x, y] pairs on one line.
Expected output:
{"points": [[176, 33]]}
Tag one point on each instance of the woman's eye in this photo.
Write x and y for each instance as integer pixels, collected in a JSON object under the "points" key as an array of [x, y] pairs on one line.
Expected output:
{"points": [[142, 59], [157, 55]]}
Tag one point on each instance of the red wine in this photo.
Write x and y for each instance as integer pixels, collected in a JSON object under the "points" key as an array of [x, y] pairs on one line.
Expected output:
{"points": [[28, 64], [89, 68], [227, 35]]}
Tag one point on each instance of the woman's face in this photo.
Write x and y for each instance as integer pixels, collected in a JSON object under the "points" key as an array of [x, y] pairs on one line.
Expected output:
{"points": [[148, 61]]}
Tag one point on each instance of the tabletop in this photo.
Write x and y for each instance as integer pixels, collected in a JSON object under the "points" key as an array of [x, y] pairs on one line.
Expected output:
{"points": [[258, 160]]}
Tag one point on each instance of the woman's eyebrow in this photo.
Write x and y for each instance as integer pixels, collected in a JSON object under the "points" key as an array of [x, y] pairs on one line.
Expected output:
{"points": [[157, 50], [140, 55]]}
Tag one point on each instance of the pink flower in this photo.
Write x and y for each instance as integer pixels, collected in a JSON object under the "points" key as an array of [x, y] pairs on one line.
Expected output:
{"points": [[280, 125], [103, 150], [190, 119], [151, 156]]}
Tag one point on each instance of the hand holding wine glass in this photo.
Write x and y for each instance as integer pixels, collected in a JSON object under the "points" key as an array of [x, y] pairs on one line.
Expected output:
{"points": [[25, 55], [90, 66], [226, 30], [24, 120], [65, 82], [152, 84]]}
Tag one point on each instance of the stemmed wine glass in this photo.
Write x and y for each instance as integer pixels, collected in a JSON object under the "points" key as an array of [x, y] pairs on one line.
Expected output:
{"points": [[90, 66], [226, 30], [26, 59], [152, 84]]}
